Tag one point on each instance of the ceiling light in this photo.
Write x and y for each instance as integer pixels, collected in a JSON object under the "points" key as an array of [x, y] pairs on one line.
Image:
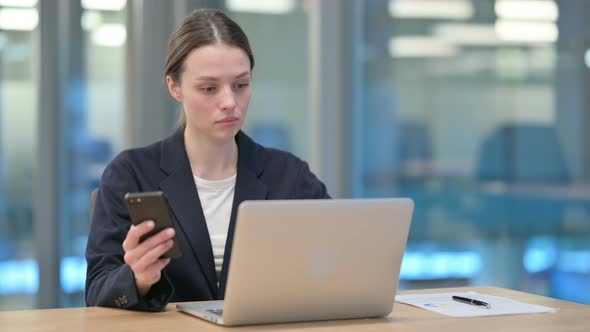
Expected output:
{"points": [[109, 35], [91, 19], [420, 46], [18, 3], [466, 34], [113, 5], [543, 10], [18, 19], [587, 58], [261, 6], [449, 9], [526, 31]]}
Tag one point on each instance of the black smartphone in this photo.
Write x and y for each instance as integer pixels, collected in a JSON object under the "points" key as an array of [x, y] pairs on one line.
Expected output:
{"points": [[154, 206]]}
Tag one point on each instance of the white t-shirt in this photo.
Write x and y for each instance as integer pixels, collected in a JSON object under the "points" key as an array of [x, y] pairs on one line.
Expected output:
{"points": [[216, 199]]}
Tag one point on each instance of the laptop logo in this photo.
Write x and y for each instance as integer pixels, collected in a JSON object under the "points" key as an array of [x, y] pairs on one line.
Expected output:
{"points": [[322, 262]]}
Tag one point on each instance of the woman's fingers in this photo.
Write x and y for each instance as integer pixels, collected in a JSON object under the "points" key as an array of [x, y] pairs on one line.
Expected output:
{"points": [[144, 256], [155, 240], [150, 275], [152, 256], [136, 232], [132, 255]]}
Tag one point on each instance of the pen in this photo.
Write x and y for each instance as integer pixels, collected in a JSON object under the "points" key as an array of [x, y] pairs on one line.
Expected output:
{"points": [[471, 301]]}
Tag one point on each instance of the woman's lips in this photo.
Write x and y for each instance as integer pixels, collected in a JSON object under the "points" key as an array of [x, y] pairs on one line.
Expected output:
{"points": [[230, 121]]}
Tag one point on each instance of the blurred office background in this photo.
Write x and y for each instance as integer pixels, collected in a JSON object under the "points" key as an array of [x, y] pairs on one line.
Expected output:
{"points": [[477, 109]]}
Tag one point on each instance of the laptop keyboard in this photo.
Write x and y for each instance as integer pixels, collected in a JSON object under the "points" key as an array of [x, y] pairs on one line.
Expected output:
{"points": [[218, 312]]}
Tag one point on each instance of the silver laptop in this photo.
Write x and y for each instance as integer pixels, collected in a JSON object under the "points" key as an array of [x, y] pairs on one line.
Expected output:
{"points": [[307, 260]]}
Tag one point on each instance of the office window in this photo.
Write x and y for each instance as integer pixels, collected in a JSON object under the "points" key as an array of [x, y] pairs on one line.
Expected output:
{"points": [[93, 130], [19, 277], [478, 111], [279, 110]]}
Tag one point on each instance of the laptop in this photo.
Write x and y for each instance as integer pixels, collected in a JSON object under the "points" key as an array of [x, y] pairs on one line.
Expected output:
{"points": [[309, 260]]}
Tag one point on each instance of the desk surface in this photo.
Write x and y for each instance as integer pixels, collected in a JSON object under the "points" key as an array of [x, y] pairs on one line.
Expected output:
{"points": [[571, 317]]}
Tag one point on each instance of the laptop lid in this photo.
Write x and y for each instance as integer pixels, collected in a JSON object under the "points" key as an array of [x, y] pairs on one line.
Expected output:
{"points": [[304, 260]]}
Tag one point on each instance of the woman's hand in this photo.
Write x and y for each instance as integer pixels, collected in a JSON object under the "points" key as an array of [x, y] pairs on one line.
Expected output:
{"points": [[144, 258]]}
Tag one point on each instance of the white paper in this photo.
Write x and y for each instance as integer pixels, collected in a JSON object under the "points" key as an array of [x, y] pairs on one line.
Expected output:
{"points": [[443, 303]]}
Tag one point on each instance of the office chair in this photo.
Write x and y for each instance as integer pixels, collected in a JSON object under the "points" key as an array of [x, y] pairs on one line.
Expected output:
{"points": [[523, 153], [92, 202]]}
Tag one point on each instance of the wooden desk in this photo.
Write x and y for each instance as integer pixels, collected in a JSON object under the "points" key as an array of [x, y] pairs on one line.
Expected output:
{"points": [[571, 317]]}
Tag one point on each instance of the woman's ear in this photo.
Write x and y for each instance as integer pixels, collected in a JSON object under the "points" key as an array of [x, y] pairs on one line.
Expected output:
{"points": [[174, 89]]}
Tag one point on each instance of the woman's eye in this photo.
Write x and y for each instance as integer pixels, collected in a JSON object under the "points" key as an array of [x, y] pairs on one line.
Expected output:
{"points": [[208, 89], [242, 85]]}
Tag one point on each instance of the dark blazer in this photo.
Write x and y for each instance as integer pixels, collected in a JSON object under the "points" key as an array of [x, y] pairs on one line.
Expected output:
{"points": [[262, 174]]}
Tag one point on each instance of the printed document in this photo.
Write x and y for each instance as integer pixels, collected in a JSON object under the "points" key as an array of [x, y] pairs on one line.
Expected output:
{"points": [[443, 303]]}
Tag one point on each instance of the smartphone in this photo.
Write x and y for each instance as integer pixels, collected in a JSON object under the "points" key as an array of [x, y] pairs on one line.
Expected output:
{"points": [[152, 206]]}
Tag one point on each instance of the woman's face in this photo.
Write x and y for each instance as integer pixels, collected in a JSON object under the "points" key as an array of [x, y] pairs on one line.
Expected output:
{"points": [[214, 90]]}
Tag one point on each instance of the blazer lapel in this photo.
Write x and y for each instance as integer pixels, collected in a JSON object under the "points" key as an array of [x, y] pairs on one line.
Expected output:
{"points": [[248, 187], [184, 201]]}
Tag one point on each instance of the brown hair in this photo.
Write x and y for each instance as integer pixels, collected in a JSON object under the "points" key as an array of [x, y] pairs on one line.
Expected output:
{"points": [[202, 27]]}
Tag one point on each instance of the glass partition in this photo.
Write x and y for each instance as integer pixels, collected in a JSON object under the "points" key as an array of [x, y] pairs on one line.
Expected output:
{"points": [[94, 128], [19, 276], [477, 110]]}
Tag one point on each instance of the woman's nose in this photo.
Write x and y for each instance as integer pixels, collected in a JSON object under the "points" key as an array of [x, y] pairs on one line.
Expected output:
{"points": [[228, 99]]}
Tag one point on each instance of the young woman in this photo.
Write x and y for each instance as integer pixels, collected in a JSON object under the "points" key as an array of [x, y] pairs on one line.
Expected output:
{"points": [[205, 169]]}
